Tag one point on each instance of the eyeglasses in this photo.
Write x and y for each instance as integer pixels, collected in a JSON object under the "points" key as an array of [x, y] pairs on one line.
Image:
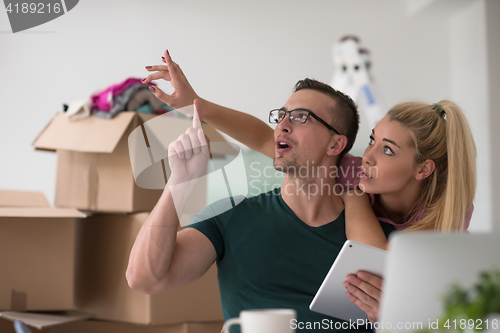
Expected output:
{"points": [[297, 116]]}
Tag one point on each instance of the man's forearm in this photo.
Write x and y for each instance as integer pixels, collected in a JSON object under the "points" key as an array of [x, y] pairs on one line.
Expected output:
{"points": [[241, 126], [153, 249]]}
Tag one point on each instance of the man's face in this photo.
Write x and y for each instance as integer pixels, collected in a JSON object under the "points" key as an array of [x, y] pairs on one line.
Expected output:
{"points": [[305, 144]]}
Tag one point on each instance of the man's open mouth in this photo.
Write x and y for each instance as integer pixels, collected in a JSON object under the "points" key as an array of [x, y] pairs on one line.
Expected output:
{"points": [[282, 144]]}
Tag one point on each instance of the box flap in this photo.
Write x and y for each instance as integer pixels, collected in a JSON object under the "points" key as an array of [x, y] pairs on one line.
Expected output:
{"points": [[92, 134], [41, 212], [22, 199], [42, 320], [146, 116]]}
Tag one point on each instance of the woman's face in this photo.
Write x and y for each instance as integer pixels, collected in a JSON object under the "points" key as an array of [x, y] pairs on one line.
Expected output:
{"points": [[389, 161]]}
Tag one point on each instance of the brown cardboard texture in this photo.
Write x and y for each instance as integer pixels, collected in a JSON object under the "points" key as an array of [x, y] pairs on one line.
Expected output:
{"points": [[7, 326], [10, 198], [93, 166], [96, 326], [43, 320], [37, 247], [103, 248]]}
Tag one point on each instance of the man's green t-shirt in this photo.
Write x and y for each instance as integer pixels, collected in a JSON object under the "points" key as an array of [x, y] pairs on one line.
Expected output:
{"points": [[268, 258]]}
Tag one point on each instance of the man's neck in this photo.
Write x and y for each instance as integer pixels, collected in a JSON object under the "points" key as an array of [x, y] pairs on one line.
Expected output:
{"points": [[314, 201]]}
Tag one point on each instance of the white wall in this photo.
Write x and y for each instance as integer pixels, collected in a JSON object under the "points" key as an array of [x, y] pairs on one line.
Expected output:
{"points": [[469, 84], [246, 55], [492, 9]]}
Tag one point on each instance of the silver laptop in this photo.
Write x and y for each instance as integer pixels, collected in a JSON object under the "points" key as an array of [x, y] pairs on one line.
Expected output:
{"points": [[420, 267]]}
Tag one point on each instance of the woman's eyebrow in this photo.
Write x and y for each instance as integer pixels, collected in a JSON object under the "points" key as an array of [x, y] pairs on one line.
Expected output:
{"points": [[387, 140], [390, 141]]}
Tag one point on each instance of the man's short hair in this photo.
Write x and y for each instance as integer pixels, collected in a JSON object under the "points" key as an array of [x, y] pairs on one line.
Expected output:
{"points": [[345, 113]]}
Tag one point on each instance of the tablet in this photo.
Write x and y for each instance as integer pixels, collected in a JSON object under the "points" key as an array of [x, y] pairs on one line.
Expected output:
{"points": [[331, 298]]}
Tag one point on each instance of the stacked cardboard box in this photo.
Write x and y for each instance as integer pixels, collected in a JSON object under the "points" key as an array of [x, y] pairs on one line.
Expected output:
{"points": [[84, 256], [37, 253]]}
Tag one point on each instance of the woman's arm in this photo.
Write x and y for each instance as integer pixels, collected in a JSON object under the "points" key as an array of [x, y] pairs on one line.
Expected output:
{"points": [[242, 127], [361, 224]]}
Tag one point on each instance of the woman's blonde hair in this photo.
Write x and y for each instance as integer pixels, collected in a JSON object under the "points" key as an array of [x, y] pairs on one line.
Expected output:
{"points": [[440, 132]]}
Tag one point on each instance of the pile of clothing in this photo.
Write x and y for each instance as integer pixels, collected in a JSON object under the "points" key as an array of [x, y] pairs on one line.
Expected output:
{"points": [[129, 95]]}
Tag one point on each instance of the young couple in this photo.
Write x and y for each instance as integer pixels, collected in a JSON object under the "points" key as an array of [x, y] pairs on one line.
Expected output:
{"points": [[418, 168]]}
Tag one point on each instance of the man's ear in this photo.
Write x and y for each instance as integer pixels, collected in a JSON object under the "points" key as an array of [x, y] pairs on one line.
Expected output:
{"points": [[425, 169], [337, 145]]}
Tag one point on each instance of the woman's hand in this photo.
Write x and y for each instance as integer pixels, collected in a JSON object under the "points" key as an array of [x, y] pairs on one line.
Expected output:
{"points": [[241, 126], [183, 94], [348, 172], [365, 290]]}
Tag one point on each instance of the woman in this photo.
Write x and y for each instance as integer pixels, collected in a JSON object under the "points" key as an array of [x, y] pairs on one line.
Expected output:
{"points": [[420, 162], [419, 168]]}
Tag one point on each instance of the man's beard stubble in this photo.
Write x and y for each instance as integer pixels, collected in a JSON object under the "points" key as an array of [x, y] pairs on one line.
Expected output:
{"points": [[289, 168], [295, 171]]}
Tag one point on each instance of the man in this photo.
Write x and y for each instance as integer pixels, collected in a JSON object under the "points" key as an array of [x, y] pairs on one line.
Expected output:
{"points": [[272, 250]]}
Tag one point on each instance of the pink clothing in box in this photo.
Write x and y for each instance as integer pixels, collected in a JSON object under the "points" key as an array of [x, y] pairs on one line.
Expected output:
{"points": [[104, 100]]}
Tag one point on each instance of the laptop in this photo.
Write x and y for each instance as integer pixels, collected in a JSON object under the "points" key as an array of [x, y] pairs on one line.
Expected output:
{"points": [[420, 268]]}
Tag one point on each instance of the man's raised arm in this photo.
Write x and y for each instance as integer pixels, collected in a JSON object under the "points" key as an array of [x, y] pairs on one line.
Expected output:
{"points": [[162, 258]]}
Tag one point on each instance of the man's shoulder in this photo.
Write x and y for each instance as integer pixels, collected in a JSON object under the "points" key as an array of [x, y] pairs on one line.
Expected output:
{"points": [[266, 198], [262, 201]]}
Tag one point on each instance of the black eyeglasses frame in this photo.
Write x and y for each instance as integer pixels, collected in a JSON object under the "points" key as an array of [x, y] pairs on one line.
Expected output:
{"points": [[309, 113]]}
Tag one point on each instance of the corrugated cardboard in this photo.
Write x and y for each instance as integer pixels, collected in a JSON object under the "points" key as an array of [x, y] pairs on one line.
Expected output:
{"points": [[7, 326], [42, 320], [95, 326], [36, 253], [37, 258], [103, 247], [22, 199], [93, 169]]}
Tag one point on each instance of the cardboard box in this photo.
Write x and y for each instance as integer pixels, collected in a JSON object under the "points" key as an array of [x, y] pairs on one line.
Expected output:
{"points": [[103, 248], [7, 326], [39, 321], [110, 327], [49, 323], [94, 169], [37, 247], [10, 198]]}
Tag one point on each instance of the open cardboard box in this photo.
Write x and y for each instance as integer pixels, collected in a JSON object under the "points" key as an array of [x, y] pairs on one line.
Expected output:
{"points": [[94, 170], [37, 253]]}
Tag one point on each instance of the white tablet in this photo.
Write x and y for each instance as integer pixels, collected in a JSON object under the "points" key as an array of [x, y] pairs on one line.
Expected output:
{"points": [[331, 298]]}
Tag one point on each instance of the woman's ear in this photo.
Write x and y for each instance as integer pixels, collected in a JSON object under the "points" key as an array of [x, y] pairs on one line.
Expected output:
{"points": [[425, 169], [337, 145]]}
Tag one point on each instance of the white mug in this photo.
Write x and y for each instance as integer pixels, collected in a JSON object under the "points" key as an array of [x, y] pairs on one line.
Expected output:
{"points": [[263, 321]]}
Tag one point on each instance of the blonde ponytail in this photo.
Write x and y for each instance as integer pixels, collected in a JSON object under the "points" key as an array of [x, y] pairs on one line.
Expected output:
{"points": [[441, 133]]}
